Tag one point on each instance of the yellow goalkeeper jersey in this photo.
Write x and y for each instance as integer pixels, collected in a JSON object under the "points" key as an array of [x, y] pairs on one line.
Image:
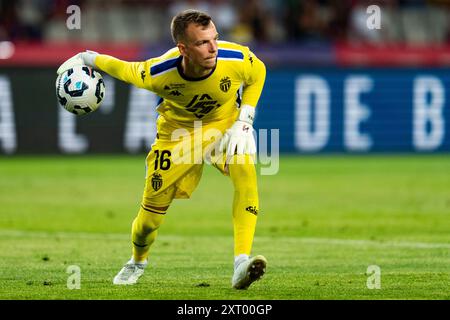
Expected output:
{"points": [[210, 98]]}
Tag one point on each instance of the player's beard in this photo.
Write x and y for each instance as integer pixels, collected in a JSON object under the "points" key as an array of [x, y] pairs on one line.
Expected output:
{"points": [[201, 67], [210, 63]]}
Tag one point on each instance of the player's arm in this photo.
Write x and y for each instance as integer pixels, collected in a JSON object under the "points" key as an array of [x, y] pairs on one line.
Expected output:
{"points": [[239, 138], [130, 72], [254, 78]]}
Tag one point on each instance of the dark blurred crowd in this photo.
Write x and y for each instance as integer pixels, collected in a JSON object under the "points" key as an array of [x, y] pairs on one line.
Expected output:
{"points": [[245, 21]]}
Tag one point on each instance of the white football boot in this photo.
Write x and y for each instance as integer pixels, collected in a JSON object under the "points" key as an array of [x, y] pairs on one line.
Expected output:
{"points": [[248, 271], [130, 273]]}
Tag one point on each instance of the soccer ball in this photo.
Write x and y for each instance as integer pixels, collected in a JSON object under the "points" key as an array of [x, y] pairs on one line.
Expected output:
{"points": [[80, 90]]}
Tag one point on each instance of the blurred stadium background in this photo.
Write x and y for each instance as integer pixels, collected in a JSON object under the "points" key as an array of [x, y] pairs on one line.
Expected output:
{"points": [[334, 85], [335, 89], [264, 21]]}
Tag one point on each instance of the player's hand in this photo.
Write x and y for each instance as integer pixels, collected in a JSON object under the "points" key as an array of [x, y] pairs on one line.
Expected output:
{"points": [[86, 58], [239, 138]]}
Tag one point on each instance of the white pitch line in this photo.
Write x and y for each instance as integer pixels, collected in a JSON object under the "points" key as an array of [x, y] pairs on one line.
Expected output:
{"points": [[290, 239]]}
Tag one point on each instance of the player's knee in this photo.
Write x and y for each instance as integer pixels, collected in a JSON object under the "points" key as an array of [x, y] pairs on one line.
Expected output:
{"points": [[149, 221], [242, 172]]}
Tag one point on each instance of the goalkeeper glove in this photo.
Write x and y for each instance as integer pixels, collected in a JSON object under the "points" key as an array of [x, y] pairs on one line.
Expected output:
{"points": [[239, 138], [86, 58]]}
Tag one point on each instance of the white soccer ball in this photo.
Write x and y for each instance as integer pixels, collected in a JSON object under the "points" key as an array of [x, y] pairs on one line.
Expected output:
{"points": [[80, 90]]}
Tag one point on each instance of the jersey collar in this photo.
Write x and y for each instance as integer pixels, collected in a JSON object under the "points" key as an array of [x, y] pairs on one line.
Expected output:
{"points": [[185, 77]]}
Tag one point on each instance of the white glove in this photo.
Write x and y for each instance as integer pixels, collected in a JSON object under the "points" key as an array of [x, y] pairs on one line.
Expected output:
{"points": [[86, 58], [239, 138]]}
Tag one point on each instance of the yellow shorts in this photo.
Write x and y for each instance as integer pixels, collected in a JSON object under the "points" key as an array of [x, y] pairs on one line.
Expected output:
{"points": [[174, 164]]}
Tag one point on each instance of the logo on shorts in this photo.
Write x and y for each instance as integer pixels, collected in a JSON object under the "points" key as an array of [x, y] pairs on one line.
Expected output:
{"points": [[252, 209], [225, 84], [156, 181]]}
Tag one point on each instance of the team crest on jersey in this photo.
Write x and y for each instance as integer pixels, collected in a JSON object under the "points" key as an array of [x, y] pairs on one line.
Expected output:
{"points": [[225, 84], [156, 181]]}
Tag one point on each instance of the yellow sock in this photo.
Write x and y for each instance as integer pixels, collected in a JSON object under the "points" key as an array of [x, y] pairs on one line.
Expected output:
{"points": [[144, 231], [245, 204]]}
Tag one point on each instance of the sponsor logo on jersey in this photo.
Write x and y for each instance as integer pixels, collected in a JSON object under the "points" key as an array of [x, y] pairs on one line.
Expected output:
{"points": [[156, 181], [201, 105], [177, 85], [175, 93], [225, 84], [173, 86]]}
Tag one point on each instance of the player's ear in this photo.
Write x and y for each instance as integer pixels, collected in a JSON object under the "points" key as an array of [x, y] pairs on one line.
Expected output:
{"points": [[181, 48]]}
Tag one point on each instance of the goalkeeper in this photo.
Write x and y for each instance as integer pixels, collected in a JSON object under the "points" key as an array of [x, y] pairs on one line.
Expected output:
{"points": [[202, 79]]}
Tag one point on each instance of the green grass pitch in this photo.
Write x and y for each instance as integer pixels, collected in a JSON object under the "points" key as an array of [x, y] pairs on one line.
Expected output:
{"points": [[323, 221]]}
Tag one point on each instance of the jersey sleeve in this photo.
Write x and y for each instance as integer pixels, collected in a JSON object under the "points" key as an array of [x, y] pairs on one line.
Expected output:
{"points": [[134, 73], [254, 78]]}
